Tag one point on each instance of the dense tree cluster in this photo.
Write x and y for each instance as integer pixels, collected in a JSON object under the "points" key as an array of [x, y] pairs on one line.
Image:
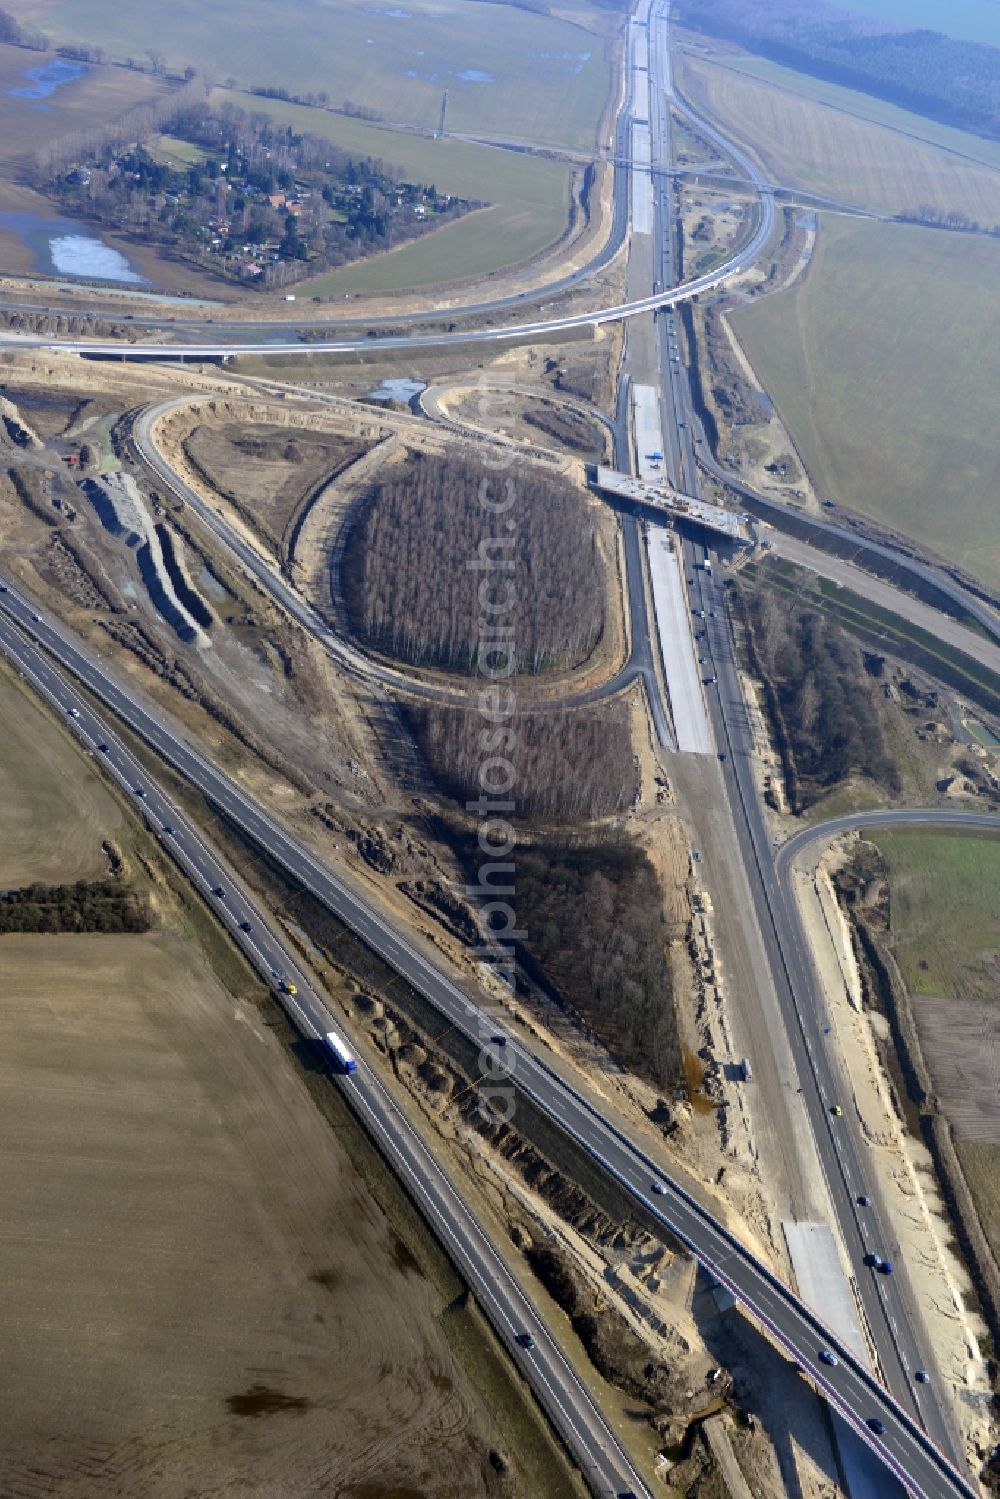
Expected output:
{"points": [[86, 906], [594, 916], [263, 194], [430, 546], [820, 696], [567, 766], [935, 75]]}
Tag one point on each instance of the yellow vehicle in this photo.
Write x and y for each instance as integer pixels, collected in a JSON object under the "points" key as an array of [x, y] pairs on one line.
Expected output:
{"points": [[288, 988]]}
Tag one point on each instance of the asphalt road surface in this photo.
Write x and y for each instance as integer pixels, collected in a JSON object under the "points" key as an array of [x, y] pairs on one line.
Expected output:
{"points": [[537, 1354], [887, 1303], [904, 1447]]}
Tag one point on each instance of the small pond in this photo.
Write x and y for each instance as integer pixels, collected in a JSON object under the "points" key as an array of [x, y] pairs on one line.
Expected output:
{"points": [[46, 78], [65, 248]]}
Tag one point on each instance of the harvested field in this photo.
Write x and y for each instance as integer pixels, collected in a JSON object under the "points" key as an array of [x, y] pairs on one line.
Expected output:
{"points": [[959, 1038], [56, 812], [170, 1187], [267, 472], [807, 144], [508, 72], [200, 1290], [866, 106], [84, 104]]}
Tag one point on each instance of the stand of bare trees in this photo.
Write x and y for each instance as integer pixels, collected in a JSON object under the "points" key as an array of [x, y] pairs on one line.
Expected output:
{"points": [[596, 930], [821, 698], [412, 592], [135, 125], [569, 766]]}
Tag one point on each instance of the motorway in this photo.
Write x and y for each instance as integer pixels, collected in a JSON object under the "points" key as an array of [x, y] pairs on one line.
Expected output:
{"points": [[905, 1448], [908, 1452], [569, 1406], [890, 1325], [540, 329], [887, 1303]]}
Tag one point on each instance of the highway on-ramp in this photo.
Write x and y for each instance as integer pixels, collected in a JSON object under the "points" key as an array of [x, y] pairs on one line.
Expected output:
{"points": [[946, 819]]}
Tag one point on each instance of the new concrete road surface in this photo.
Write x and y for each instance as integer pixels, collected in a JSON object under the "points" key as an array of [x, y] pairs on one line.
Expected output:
{"points": [[846, 574], [538, 1356], [687, 705], [903, 1446], [819, 1275]]}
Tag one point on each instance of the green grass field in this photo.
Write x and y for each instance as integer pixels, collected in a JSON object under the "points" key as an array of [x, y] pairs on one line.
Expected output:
{"points": [[175, 153], [507, 71], [945, 931], [529, 199], [884, 361], [848, 152], [944, 922]]}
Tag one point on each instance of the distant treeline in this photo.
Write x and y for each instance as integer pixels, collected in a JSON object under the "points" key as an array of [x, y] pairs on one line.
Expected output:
{"points": [[956, 82], [821, 698], [15, 35], [447, 549], [86, 906], [567, 765]]}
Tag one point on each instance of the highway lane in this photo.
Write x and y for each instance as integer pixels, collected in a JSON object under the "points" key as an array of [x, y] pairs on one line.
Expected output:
{"points": [[904, 1447], [223, 348], [888, 1305], [587, 1434]]}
